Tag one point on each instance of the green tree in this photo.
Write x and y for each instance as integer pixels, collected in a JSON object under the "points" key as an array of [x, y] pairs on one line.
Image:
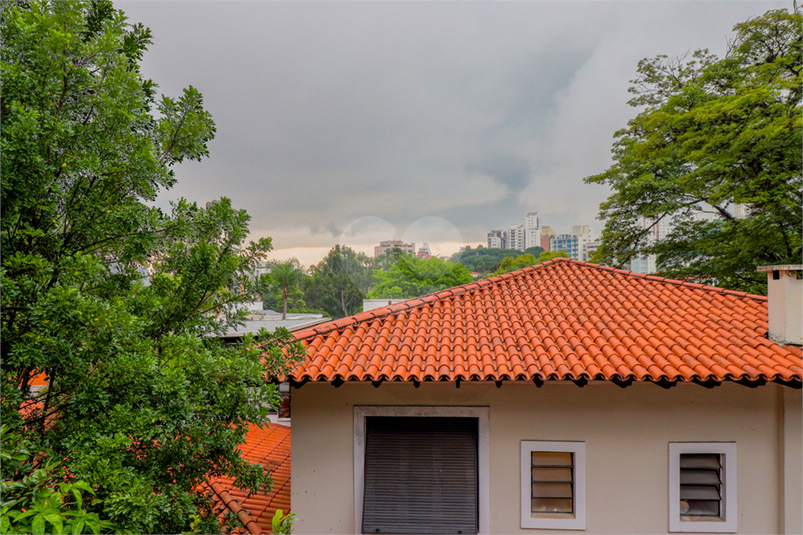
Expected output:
{"points": [[338, 284], [512, 264], [483, 260], [142, 402], [388, 259], [285, 278], [412, 277], [535, 251], [714, 134]]}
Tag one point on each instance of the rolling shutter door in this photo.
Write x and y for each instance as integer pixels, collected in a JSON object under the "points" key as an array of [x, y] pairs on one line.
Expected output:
{"points": [[420, 475]]}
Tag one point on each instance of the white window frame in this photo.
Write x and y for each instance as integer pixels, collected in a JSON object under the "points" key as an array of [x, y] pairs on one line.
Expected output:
{"points": [[483, 452], [727, 523], [560, 520]]}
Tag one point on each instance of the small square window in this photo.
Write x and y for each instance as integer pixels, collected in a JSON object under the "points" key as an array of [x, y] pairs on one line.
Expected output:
{"points": [[552, 485], [702, 487]]}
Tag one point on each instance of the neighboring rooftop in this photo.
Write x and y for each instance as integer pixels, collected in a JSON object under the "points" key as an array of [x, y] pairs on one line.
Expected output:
{"points": [[559, 320], [272, 320], [269, 447]]}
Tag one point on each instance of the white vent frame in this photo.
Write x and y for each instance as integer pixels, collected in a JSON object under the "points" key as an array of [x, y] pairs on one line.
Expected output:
{"points": [[560, 521], [728, 521]]}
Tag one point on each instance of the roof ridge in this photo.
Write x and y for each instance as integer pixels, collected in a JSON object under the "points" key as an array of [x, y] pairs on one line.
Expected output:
{"points": [[417, 302], [673, 282]]}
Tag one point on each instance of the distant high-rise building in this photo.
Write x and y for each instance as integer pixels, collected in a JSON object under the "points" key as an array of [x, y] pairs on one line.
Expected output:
{"points": [[532, 231], [424, 252], [497, 239], [590, 249], [406, 248], [740, 211], [515, 238], [571, 244], [574, 244], [546, 232], [658, 230]]}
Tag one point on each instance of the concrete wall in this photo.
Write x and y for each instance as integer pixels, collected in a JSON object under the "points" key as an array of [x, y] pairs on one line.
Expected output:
{"points": [[626, 431]]}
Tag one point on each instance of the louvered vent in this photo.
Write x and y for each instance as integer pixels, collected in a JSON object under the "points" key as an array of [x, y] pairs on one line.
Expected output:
{"points": [[420, 475], [700, 484], [552, 482]]}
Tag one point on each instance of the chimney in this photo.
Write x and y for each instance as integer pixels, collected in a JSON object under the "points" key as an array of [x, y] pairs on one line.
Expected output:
{"points": [[785, 293]]}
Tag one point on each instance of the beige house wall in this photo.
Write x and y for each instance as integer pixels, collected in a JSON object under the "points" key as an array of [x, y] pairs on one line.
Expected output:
{"points": [[791, 442], [626, 432]]}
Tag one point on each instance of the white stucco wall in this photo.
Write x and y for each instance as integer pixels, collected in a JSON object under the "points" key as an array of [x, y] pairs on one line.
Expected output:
{"points": [[626, 432]]}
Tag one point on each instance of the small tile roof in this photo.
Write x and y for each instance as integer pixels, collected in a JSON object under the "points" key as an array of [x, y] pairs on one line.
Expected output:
{"points": [[269, 447], [559, 320]]}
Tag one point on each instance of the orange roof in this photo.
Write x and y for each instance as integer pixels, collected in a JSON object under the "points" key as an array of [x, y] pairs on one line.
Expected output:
{"points": [[269, 447], [559, 320]]}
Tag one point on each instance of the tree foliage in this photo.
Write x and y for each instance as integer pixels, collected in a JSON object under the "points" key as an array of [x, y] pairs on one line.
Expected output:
{"points": [[412, 277], [338, 283], [285, 278], [142, 403], [512, 264], [483, 260], [535, 251], [388, 259], [714, 134]]}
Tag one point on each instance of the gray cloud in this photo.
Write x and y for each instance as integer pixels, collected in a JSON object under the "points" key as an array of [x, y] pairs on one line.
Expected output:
{"points": [[473, 112]]}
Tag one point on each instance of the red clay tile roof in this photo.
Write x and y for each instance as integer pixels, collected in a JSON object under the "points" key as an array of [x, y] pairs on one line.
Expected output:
{"points": [[560, 320], [271, 448]]}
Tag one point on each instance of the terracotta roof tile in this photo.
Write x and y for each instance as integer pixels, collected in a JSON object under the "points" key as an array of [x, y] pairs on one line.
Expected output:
{"points": [[269, 447], [560, 320]]}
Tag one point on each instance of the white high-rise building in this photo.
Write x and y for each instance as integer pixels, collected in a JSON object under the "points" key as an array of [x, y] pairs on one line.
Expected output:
{"points": [[497, 239], [515, 237], [657, 231], [532, 231], [740, 211]]}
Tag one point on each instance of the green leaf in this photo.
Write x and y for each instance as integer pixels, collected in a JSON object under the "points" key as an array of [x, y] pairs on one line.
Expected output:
{"points": [[79, 501], [78, 527], [38, 525]]}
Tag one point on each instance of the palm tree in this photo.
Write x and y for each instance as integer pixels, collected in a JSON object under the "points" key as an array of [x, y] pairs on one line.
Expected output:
{"points": [[285, 276]]}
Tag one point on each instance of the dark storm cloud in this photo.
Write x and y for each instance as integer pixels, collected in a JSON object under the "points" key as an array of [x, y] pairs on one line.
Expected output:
{"points": [[507, 170], [474, 112]]}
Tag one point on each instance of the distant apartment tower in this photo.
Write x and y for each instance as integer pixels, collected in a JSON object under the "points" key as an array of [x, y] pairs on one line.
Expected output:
{"points": [[740, 211], [546, 232], [515, 238], [574, 244], [424, 252], [590, 248], [406, 248], [532, 231], [658, 230], [497, 239]]}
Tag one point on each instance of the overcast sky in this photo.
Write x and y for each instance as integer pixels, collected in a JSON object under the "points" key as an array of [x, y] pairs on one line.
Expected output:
{"points": [[351, 122]]}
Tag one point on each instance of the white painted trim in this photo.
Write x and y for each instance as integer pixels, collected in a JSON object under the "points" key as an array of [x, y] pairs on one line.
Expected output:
{"points": [[728, 522], [579, 520], [483, 451]]}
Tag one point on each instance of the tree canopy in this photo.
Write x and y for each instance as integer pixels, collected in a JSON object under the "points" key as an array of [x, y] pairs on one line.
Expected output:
{"points": [[512, 264], [338, 283], [412, 277], [716, 137], [285, 278], [483, 260], [113, 302]]}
